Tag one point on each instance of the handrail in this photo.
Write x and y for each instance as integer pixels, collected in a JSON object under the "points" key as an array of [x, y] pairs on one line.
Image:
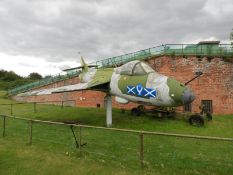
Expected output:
{"points": [[125, 130], [170, 49], [42, 82]]}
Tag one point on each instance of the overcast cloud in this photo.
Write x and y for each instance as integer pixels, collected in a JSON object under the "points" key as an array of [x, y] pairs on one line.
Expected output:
{"points": [[48, 34]]}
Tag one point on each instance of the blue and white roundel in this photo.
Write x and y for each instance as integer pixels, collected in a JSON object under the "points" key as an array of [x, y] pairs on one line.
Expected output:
{"points": [[140, 91]]}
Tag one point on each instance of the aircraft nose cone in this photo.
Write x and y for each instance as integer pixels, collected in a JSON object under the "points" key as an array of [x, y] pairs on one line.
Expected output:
{"points": [[188, 96]]}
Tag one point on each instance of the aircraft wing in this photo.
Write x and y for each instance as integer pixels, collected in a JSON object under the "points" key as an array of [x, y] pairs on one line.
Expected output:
{"points": [[75, 87], [100, 78]]}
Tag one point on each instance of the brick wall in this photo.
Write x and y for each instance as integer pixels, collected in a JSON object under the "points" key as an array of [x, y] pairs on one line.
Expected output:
{"points": [[215, 84]]}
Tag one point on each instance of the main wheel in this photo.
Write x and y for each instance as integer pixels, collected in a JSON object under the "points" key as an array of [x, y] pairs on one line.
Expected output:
{"points": [[135, 112], [209, 116], [141, 108], [196, 120]]}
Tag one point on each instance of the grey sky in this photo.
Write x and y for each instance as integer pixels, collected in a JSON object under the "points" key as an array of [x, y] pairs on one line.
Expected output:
{"points": [[56, 30]]}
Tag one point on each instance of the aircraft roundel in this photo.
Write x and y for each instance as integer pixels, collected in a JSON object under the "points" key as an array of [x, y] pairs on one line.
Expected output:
{"points": [[141, 91]]}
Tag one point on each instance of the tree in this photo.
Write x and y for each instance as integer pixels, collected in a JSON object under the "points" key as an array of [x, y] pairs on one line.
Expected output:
{"points": [[34, 76], [9, 76]]}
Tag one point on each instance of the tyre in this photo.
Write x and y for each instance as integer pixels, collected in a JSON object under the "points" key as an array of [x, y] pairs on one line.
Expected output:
{"points": [[141, 108], [209, 116], [196, 120], [135, 112], [171, 115]]}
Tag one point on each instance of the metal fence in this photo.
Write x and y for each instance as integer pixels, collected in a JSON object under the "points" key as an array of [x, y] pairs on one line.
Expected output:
{"points": [[11, 108], [135, 147], [43, 82], [225, 50]]}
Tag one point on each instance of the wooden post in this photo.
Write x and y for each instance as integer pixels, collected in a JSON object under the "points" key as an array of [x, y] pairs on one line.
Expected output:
{"points": [[80, 139], [30, 132], [182, 49], [11, 109], [34, 107], [62, 104], [141, 150], [4, 126]]}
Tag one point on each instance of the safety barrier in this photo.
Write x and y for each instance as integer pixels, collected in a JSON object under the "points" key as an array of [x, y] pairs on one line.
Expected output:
{"points": [[42, 82], [34, 105], [225, 50], [79, 140]]}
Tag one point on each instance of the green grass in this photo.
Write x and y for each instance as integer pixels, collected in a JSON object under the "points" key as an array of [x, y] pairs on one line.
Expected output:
{"points": [[108, 152]]}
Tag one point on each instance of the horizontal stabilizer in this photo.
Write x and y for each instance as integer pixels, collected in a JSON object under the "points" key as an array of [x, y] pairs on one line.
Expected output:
{"points": [[80, 67]]}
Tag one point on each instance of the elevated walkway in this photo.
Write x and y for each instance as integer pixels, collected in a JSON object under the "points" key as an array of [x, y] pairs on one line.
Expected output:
{"points": [[210, 49], [42, 82]]}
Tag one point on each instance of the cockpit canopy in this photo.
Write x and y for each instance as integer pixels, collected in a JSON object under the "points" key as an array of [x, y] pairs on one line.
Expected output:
{"points": [[135, 68]]}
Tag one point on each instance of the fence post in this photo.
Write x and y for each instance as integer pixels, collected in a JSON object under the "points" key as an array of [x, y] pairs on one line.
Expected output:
{"points": [[11, 109], [80, 139], [34, 107], [62, 104], [30, 132], [182, 49], [141, 150], [4, 126]]}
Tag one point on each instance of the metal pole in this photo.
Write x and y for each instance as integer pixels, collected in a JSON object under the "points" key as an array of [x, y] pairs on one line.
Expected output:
{"points": [[34, 107], [4, 126], [30, 132], [141, 149], [61, 104], [108, 110], [11, 109]]}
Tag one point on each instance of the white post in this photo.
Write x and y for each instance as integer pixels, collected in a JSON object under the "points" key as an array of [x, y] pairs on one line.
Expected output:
{"points": [[108, 110]]}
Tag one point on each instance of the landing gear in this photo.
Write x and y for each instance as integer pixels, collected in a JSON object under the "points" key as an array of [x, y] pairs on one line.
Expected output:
{"points": [[138, 111], [135, 112], [209, 116], [108, 104], [201, 118], [196, 120], [157, 112]]}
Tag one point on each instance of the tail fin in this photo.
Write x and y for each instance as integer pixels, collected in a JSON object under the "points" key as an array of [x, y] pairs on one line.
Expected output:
{"points": [[85, 66]]}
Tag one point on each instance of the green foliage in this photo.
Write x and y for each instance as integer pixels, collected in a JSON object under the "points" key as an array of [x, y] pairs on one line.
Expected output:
{"points": [[9, 76], [34, 76], [9, 79], [6, 85]]}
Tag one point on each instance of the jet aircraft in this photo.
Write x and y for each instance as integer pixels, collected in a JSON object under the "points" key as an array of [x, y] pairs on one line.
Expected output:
{"points": [[134, 81]]}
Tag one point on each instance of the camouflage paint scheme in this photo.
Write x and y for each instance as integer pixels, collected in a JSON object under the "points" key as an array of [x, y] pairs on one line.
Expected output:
{"points": [[134, 81]]}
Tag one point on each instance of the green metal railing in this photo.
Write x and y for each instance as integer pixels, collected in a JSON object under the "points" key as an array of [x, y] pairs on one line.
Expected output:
{"points": [[43, 82], [224, 50]]}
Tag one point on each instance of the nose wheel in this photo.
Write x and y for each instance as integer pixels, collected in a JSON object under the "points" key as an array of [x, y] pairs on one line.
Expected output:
{"points": [[196, 120]]}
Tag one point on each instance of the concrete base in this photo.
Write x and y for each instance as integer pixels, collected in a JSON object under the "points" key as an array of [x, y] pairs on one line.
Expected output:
{"points": [[108, 102]]}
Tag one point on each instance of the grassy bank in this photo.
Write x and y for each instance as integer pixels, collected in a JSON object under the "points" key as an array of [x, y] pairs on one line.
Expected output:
{"points": [[53, 150]]}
